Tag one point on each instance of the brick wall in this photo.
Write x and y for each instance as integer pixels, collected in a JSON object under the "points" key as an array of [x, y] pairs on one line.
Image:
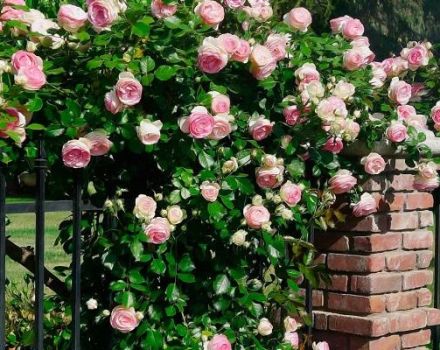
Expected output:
{"points": [[378, 298]]}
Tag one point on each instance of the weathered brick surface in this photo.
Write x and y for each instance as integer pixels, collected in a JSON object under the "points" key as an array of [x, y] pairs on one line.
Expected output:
{"points": [[356, 303], [390, 201], [356, 263], [426, 218], [337, 282], [401, 261], [433, 316], [420, 239], [382, 282], [332, 242], [405, 321], [411, 340], [374, 326], [403, 221], [424, 297], [401, 182], [377, 242], [419, 200], [424, 258], [416, 279], [401, 301]]}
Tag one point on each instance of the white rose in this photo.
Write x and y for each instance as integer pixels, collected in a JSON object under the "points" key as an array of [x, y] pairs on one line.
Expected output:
{"points": [[239, 238], [265, 327], [92, 304]]}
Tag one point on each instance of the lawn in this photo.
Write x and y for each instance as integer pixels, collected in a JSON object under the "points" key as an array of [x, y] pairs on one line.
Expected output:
{"points": [[21, 231]]}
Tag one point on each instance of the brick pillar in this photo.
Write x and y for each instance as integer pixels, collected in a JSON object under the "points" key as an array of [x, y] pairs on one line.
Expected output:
{"points": [[378, 298]]}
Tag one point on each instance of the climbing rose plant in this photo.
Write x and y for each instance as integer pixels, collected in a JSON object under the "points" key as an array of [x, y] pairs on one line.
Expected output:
{"points": [[216, 137]]}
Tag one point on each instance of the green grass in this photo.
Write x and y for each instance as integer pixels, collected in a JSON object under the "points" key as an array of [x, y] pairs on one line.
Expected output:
{"points": [[21, 231]]}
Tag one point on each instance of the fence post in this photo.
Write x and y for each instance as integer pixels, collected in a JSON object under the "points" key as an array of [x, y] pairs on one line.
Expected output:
{"points": [[309, 296], [76, 261], [40, 168], [2, 257]]}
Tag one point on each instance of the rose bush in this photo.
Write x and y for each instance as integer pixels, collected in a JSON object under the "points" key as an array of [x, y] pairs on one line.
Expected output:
{"points": [[213, 134]]}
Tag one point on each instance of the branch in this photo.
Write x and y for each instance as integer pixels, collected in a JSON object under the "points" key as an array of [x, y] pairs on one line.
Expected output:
{"points": [[26, 258]]}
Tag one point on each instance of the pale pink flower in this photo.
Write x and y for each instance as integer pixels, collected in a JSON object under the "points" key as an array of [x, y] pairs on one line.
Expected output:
{"points": [[102, 14], [352, 29], [342, 182], [210, 12], [399, 91], [128, 89], [124, 319], [158, 230], [406, 111], [25, 60], [260, 127], [76, 154], [98, 142], [242, 53], [220, 103], [291, 194], [367, 205], [333, 145], [148, 131], [256, 216], [199, 124], [336, 24], [222, 127], [291, 114], [397, 132], [219, 342], [269, 176], [276, 43], [435, 113], [161, 10], [145, 207], [373, 163], [112, 102], [417, 55], [71, 18], [230, 42], [298, 18], [212, 56]]}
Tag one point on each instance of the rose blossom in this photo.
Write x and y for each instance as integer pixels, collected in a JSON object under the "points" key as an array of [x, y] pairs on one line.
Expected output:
{"points": [[333, 145], [373, 163], [292, 338], [299, 18], [211, 12], [435, 113], [290, 193], [148, 132], [16, 125], [416, 54], [357, 58], [112, 102], [219, 103], [243, 52], [212, 56], [396, 132], [366, 206], [406, 111], [76, 154], [307, 73], [219, 342], [360, 41], [14, 2], [145, 207], [158, 230], [210, 190], [399, 91], [331, 108], [336, 24], [290, 324], [175, 215], [222, 127], [9, 13], [352, 29], [351, 130], [25, 60], [71, 17], [394, 66], [230, 42], [260, 12], [418, 90], [102, 14], [92, 304], [379, 75], [269, 176], [161, 10], [427, 178], [322, 345], [262, 62], [124, 319], [265, 328], [276, 43], [342, 182], [239, 238], [128, 89], [235, 4], [344, 90], [199, 124], [98, 142], [291, 114], [256, 216], [260, 127]]}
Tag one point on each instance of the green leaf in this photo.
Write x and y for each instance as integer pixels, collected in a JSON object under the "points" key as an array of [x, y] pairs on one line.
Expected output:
{"points": [[205, 160], [34, 105], [164, 73], [128, 299], [221, 284], [158, 266], [186, 264], [216, 210], [186, 277], [35, 126], [118, 286], [141, 29]]}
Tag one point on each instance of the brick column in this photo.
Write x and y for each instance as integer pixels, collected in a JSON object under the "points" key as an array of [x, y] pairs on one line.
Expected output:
{"points": [[378, 298]]}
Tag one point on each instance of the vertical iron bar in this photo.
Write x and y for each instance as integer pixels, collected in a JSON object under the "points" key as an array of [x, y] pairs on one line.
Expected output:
{"points": [[40, 168], [76, 269], [2, 257], [436, 329], [309, 298]]}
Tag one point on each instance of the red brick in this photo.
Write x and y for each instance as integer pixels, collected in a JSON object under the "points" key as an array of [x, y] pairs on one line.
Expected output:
{"points": [[426, 218], [405, 321], [410, 340], [376, 283], [320, 320], [356, 263], [416, 279], [320, 259], [420, 239], [356, 303], [403, 221], [401, 301], [390, 201], [377, 242], [424, 258], [433, 316], [401, 182], [398, 165], [385, 343], [371, 223], [401, 261], [317, 298], [419, 200], [375, 183], [424, 297], [331, 242], [374, 326], [337, 283]]}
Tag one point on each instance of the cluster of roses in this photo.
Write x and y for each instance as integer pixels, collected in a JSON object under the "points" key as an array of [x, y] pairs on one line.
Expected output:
{"points": [[201, 124], [28, 70]]}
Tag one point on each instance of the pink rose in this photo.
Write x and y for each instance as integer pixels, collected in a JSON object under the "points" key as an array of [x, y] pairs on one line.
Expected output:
{"points": [[351, 130], [128, 89], [25, 60], [9, 13], [290, 194], [32, 78], [269, 177], [210, 190], [360, 41], [14, 2], [331, 108], [357, 58], [220, 103], [210, 12], [71, 18], [261, 73], [234, 4], [379, 75], [394, 66], [16, 122], [262, 62], [260, 127], [256, 216], [336, 24], [322, 345], [397, 132], [175, 214], [352, 29], [344, 90], [333, 145], [291, 114], [292, 338], [158, 230], [76, 154], [222, 127], [199, 124], [342, 182], [242, 53], [418, 90], [102, 14], [290, 324], [148, 132], [276, 43], [406, 111], [99, 143], [366, 206], [299, 18], [416, 54], [162, 10], [145, 207], [212, 56], [230, 42], [219, 342], [435, 113], [425, 184], [307, 73], [399, 91], [417, 121], [123, 319], [373, 164], [112, 102]]}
